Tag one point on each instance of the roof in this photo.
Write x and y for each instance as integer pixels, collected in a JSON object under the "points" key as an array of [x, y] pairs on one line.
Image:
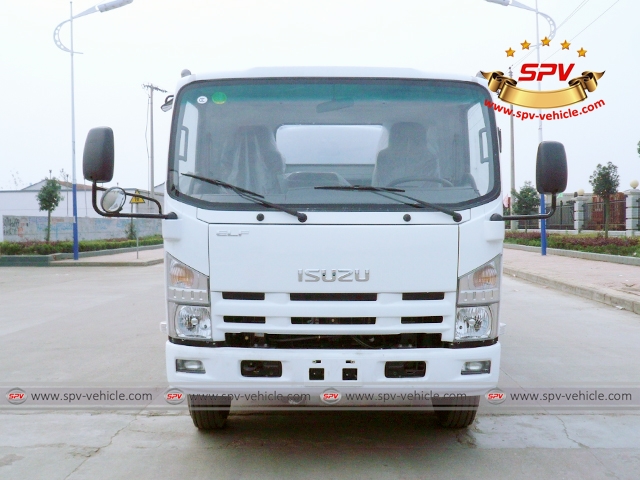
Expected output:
{"points": [[336, 72], [63, 184]]}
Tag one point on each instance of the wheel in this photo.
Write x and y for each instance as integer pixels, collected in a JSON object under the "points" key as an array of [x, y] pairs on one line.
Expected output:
{"points": [[399, 181], [207, 413], [456, 412]]}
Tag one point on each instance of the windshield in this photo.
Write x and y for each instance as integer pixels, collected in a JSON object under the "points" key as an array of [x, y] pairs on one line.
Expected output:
{"points": [[281, 138]]}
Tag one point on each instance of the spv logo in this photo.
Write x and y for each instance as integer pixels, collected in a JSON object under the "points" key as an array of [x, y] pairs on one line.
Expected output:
{"points": [[545, 69], [16, 396], [330, 396], [507, 89], [174, 396], [495, 396]]}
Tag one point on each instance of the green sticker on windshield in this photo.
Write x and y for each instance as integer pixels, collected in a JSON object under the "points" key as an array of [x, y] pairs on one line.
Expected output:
{"points": [[219, 98]]}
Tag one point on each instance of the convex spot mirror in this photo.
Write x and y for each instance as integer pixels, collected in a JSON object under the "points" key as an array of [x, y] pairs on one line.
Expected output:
{"points": [[97, 159], [551, 168], [113, 200]]}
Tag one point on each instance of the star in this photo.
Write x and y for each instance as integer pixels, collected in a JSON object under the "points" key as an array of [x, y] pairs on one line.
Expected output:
{"points": [[546, 42], [510, 52], [565, 45], [582, 52], [525, 45]]}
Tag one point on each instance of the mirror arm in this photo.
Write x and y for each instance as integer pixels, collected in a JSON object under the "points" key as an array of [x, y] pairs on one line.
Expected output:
{"points": [[94, 201], [499, 218]]}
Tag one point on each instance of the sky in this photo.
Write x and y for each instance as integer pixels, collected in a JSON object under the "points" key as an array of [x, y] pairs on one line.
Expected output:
{"points": [[152, 41]]}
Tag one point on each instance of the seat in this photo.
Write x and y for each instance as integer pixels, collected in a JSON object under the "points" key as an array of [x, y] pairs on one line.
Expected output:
{"points": [[407, 156], [250, 159]]}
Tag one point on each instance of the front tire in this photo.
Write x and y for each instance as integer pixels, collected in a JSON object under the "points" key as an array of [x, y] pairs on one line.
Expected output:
{"points": [[456, 412], [207, 413]]}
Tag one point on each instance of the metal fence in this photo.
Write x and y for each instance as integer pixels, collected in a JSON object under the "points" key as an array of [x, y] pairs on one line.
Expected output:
{"points": [[562, 219], [594, 213], [526, 224]]}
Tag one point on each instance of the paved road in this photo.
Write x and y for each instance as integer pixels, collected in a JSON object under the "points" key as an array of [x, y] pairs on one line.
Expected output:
{"points": [[610, 283], [100, 326]]}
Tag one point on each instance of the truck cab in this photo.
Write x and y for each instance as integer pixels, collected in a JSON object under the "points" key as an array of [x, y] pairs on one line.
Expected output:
{"points": [[332, 233]]}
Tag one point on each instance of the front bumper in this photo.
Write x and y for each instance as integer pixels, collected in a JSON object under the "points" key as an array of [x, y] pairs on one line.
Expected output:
{"points": [[223, 374]]}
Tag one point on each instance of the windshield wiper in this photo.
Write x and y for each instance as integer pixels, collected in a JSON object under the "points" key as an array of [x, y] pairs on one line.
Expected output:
{"points": [[249, 195], [395, 191]]}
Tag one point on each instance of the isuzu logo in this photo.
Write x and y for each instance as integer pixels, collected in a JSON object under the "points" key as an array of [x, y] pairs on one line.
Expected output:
{"points": [[336, 274]]}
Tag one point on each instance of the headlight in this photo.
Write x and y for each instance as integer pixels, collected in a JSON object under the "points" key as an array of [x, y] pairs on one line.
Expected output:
{"points": [[193, 322], [476, 323], [478, 297], [189, 305]]}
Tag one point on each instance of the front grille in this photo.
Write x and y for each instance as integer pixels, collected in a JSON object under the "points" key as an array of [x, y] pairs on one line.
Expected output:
{"points": [[333, 297], [268, 340], [333, 321], [423, 296], [232, 319], [433, 319], [242, 296]]}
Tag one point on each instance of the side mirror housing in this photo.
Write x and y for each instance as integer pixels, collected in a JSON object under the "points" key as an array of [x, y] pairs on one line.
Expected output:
{"points": [[551, 168], [97, 159]]}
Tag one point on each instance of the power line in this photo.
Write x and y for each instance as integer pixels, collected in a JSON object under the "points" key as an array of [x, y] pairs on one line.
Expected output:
{"points": [[565, 21], [575, 10], [577, 34], [573, 13]]}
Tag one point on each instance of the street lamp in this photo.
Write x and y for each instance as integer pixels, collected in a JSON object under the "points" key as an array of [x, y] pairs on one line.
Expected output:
{"points": [[552, 33], [103, 7]]}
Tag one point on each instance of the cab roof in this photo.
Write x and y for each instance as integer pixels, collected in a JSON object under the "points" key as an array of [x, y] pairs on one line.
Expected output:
{"points": [[327, 72]]}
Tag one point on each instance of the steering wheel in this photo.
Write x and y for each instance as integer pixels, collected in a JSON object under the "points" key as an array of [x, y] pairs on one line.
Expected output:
{"points": [[399, 181]]}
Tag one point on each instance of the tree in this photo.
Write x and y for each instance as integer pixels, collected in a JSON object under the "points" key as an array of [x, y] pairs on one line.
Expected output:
{"points": [[48, 198], [605, 181], [130, 231], [526, 201]]}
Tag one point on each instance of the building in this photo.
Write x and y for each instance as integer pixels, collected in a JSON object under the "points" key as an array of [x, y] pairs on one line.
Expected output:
{"points": [[23, 220]]}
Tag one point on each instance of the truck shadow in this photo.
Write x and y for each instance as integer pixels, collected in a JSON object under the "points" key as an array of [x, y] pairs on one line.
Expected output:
{"points": [[317, 431]]}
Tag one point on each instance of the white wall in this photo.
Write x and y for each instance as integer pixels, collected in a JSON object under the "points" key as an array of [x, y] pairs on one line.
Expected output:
{"points": [[24, 203]]}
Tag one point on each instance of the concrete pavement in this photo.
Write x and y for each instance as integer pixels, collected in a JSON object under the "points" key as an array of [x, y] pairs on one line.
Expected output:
{"points": [[76, 328], [609, 283], [143, 258]]}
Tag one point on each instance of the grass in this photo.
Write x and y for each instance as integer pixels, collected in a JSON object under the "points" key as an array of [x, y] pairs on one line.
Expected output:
{"points": [[625, 246], [43, 248]]}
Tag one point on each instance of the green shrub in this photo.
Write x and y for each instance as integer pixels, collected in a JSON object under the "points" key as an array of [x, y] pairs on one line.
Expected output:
{"points": [[42, 248], [626, 246]]}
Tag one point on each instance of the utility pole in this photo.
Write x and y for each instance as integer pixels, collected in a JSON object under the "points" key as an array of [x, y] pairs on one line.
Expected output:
{"points": [[151, 89], [514, 223]]}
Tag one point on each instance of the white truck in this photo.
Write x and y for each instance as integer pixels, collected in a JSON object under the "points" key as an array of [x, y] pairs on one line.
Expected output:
{"points": [[331, 230]]}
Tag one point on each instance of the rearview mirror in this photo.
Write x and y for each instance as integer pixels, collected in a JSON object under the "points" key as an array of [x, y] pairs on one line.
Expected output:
{"points": [[113, 200], [97, 159], [168, 104], [551, 168]]}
